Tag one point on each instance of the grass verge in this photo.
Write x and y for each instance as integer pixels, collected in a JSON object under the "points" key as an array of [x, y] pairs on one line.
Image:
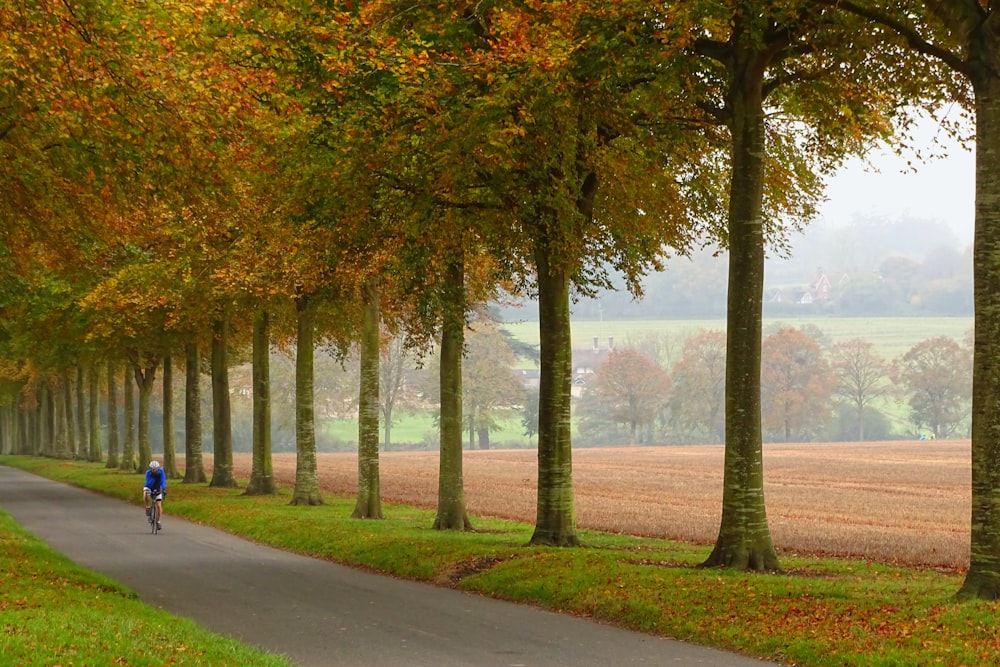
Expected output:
{"points": [[818, 612], [55, 613]]}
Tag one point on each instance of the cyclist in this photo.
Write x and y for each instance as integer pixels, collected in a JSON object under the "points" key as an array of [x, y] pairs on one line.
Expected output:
{"points": [[155, 488]]}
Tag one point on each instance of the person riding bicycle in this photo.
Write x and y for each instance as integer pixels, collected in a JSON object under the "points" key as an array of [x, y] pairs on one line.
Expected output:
{"points": [[155, 488]]}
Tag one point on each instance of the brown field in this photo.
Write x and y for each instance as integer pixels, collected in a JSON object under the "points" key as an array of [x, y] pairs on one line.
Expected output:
{"points": [[902, 502]]}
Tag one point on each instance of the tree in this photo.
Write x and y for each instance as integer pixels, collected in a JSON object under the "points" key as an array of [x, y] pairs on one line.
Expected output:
{"points": [[698, 396], [129, 461], [451, 511], [67, 384], [194, 468], [782, 137], [369, 502], [94, 413], [529, 419], [490, 388], [262, 472], [83, 439], [901, 276], [306, 477], [169, 446], [114, 460], [862, 377], [796, 385], [222, 428], [964, 37], [935, 373], [143, 372], [393, 390], [632, 388]]}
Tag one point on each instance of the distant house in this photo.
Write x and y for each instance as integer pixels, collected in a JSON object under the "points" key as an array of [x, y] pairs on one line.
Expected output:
{"points": [[531, 377], [816, 292], [789, 295], [585, 363], [820, 288], [824, 282]]}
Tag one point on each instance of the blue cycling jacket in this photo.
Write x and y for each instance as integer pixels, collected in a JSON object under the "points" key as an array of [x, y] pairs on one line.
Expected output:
{"points": [[156, 480]]}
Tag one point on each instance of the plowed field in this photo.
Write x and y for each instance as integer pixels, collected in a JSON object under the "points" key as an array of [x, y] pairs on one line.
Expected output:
{"points": [[904, 502]]}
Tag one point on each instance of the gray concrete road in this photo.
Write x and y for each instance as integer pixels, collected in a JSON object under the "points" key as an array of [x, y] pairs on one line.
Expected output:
{"points": [[318, 613]]}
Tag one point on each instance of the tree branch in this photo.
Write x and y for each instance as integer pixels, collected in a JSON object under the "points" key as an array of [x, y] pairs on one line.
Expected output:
{"points": [[905, 30]]}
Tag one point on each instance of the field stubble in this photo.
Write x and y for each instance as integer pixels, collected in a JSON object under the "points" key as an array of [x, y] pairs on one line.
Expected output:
{"points": [[899, 502]]}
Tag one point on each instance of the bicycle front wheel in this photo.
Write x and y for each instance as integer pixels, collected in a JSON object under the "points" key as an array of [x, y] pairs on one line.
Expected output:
{"points": [[155, 515]]}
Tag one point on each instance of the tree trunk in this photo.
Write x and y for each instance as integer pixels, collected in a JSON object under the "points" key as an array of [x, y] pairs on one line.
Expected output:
{"points": [[451, 511], [306, 478], [744, 540], [12, 445], [861, 423], [222, 427], [555, 523], [483, 437], [24, 431], [194, 466], [145, 377], [37, 426], [262, 472], [114, 460], [70, 421], [129, 460], [82, 438], [5, 442], [64, 408], [169, 446], [369, 505], [94, 399], [983, 578], [50, 415], [387, 417]]}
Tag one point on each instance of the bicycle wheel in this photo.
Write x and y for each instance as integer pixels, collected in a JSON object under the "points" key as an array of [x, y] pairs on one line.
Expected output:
{"points": [[155, 515]]}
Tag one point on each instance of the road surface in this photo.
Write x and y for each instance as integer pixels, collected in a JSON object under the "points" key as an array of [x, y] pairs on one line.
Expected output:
{"points": [[319, 614]]}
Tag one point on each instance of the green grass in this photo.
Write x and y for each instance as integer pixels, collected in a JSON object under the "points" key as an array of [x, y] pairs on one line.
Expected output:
{"points": [[411, 429], [53, 612], [892, 336], [819, 612]]}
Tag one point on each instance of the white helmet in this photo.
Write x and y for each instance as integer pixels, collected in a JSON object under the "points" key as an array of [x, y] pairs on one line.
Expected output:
{"points": [[154, 465]]}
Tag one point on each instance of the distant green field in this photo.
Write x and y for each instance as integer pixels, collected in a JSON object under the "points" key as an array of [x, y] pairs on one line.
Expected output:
{"points": [[892, 336], [409, 429]]}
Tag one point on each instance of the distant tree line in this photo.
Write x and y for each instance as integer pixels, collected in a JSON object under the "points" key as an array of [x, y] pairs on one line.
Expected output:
{"points": [[898, 268], [810, 392]]}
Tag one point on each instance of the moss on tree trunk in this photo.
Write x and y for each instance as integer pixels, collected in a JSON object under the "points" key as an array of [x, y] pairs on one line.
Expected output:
{"points": [[306, 479], [95, 454], [369, 504], [451, 512], [129, 460], [144, 378], [114, 445], [983, 578], [222, 428], [169, 446], [194, 465], [555, 522], [262, 471], [744, 540]]}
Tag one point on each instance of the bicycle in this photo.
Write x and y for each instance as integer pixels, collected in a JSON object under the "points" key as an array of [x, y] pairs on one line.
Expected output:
{"points": [[154, 512]]}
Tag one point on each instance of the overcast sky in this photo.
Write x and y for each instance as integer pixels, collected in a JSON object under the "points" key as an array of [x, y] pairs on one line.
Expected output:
{"points": [[940, 189]]}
